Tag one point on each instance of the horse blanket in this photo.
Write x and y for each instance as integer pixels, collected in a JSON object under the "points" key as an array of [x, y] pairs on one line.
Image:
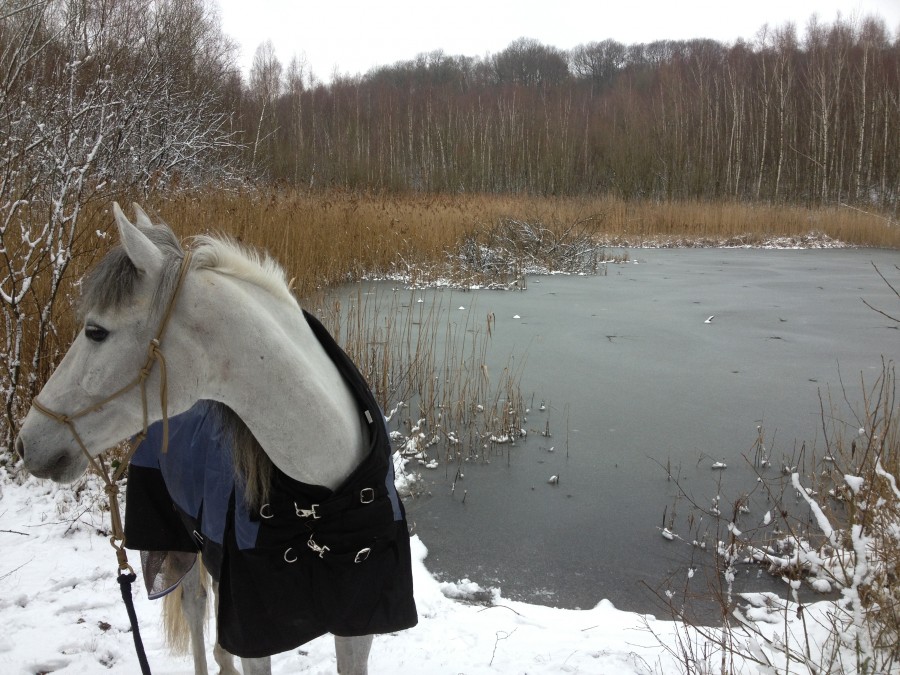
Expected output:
{"points": [[311, 561]]}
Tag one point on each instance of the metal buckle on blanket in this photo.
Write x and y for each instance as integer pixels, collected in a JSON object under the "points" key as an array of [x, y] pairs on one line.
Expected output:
{"points": [[321, 550], [367, 495], [306, 513], [362, 555]]}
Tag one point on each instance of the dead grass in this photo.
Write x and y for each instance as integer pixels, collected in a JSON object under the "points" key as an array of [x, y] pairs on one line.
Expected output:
{"points": [[329, 237], [326, 238], [426, 359]]}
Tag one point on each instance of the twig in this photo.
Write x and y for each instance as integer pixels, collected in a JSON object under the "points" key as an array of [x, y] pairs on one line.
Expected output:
{"points": [[501, 607], [884, 314], [889, 285], [13, 571], [889, 221], [505, 636]]}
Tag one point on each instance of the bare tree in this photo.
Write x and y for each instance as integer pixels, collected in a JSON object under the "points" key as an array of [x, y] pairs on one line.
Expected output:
{"points": [[265, 88], [598, 62], [526, 61], [90, 109]]}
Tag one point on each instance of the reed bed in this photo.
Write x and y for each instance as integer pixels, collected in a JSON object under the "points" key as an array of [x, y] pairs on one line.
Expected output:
{"points": [[327, 238], [428, 363]]}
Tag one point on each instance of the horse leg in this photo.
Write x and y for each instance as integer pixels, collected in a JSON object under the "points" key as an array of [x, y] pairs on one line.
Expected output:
{"points": [[223, 658], [193, 605], [352, 654], [262, 666]]}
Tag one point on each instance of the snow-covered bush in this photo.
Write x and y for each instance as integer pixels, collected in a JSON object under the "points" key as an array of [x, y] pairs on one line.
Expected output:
{"points": [[97, 101], [851, 544]]}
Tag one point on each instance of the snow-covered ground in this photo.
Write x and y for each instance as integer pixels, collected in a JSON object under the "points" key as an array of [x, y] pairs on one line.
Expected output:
{"points": [[61, 611]]}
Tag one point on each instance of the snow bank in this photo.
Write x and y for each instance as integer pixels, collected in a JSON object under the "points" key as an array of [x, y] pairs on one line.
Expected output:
{"points": [[60, 611]]}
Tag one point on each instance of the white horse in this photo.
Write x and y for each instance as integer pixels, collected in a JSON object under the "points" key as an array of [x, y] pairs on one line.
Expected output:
{"points": [[232, 332]]}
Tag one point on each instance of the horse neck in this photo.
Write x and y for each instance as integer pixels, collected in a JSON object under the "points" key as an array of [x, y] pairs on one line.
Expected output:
{"points": [[266, 364]]}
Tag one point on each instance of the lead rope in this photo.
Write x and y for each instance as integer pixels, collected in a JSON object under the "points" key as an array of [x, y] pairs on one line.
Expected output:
{"points": [[117, 539]]}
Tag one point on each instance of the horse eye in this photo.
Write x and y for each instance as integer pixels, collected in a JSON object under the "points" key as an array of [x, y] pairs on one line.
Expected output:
{"points": [[95, 333]]}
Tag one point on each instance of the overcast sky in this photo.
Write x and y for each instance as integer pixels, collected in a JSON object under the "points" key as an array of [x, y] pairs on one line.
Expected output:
{"points": [[353, 36]]}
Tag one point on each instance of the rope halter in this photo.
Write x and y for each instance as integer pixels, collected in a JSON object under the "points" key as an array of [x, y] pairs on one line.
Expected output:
{"points": [[154, 355]]}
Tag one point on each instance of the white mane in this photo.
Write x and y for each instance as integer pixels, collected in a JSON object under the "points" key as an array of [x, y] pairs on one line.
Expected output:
{"points": [[223, 254]]}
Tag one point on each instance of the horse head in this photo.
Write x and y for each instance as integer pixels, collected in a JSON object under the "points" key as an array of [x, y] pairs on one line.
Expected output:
{"points": [[102, 392]]}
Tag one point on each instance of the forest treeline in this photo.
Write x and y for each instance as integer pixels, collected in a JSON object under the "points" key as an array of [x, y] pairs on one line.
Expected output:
{"points": [[806, 117]]}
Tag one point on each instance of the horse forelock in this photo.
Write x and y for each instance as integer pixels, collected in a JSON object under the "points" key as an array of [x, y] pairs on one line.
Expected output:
{"points": [[111, 284], [226, 256]]}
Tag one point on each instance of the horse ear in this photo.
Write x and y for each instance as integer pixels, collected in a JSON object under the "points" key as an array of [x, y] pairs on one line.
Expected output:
{"points": [[143, 220], [142, 252]]}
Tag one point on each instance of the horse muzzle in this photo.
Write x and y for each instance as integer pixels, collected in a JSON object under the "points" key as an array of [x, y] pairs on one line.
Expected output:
{"points": [[60, 466]]}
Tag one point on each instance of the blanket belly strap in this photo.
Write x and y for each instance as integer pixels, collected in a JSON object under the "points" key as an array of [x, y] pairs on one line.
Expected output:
{"points": [[332, 507], [366, 510], [325, 552]]}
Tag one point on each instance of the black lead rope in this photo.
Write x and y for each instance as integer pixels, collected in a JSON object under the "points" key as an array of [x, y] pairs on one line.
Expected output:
{"points": [[125, 581]]}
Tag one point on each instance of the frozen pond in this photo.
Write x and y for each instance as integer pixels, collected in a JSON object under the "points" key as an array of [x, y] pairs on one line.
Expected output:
{"points": [[629, 364]]}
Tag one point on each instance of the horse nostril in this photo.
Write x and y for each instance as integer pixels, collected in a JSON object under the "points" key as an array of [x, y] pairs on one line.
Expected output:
{"points": [[20, 447]]}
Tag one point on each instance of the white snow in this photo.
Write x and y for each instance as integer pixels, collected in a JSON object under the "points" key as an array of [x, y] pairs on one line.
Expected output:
{"points": [[855, 483], [820, 585], [61, 611]]}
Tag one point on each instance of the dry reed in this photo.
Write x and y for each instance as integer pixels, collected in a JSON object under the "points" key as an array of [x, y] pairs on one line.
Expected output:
{"points": [[429, 367], [326, 238]]}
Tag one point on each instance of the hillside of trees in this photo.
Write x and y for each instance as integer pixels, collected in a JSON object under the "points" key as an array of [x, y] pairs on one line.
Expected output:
{"points": [[806, 116]]}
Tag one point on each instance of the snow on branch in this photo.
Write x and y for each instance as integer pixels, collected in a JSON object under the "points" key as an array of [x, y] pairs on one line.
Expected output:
{"points": [[94, 104]]}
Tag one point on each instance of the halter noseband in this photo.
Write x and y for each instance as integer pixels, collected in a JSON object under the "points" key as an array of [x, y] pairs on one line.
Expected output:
{"points": [[154, 353]]}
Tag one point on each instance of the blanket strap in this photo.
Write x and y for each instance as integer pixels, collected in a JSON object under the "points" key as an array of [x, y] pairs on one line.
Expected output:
{"points": [[335, 505]]}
